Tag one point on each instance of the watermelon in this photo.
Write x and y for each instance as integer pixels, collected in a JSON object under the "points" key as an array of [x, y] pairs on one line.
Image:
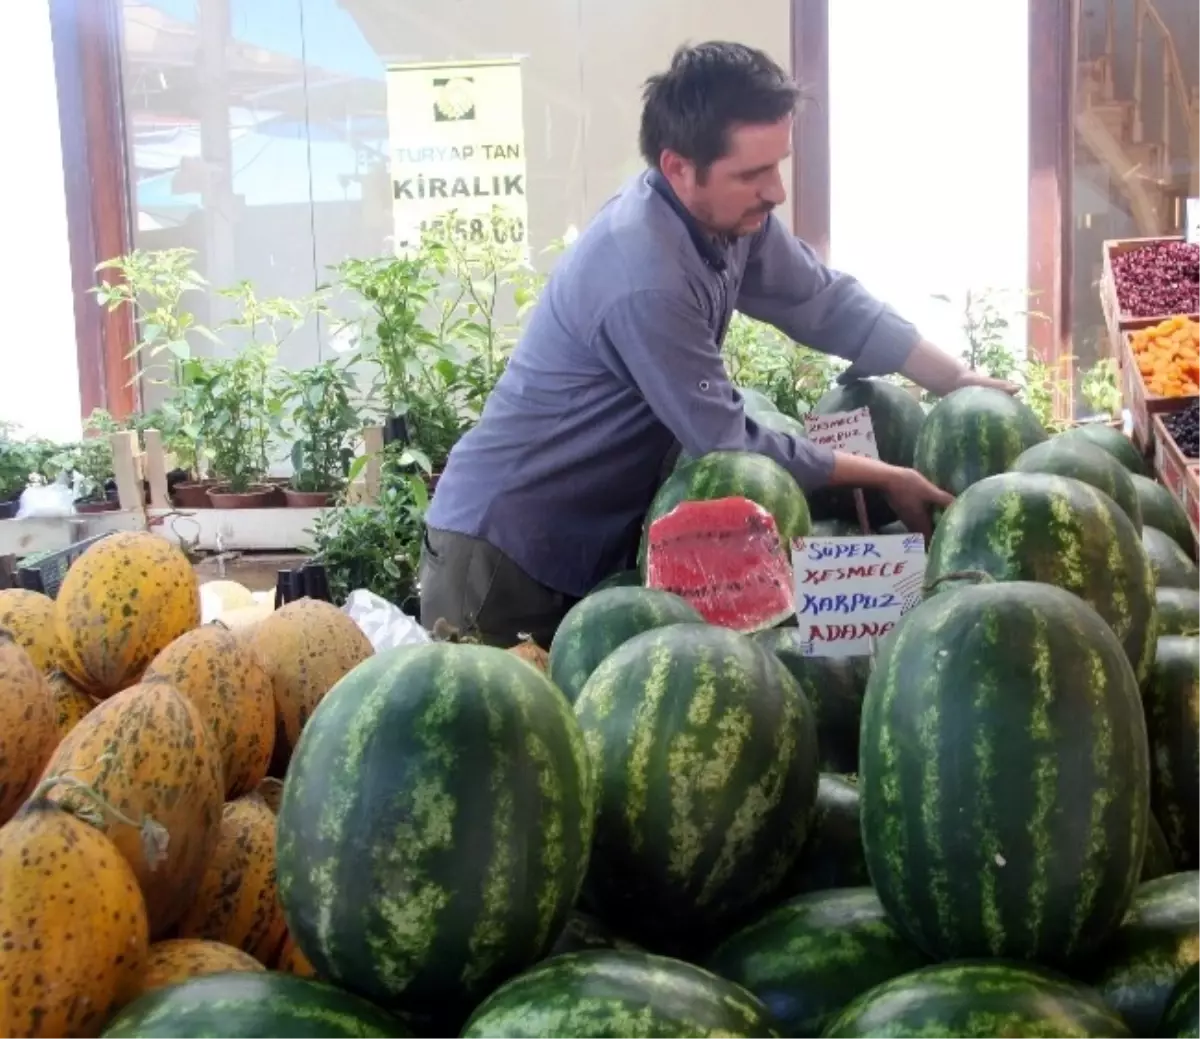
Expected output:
{"points": [[435, 826], [835, 528], [619, 993], [735, 474], [809, 957], [1172, 567], [1155, 945], [604, 621], [1172, 702], [704, 752], [978, 999], [780, 423], [1055, 530], [586, 932], [725, 558], [834, 687], [1111, 440], [252, 1004], [1004, 774], [891, 529], [1161, 511], [621, 579], [755, 402], [1178, 611], [1182, 1016], [1087, 462], [1158, 861], [832, 856], [896, 418], [973, 433]]}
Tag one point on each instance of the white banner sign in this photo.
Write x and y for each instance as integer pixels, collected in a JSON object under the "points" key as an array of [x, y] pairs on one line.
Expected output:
{"points": [[848, 431], [457, 139], [850, 591]]}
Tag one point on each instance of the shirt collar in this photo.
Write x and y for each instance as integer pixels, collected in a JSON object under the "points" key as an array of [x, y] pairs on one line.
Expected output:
{"points": [[709, 248]]}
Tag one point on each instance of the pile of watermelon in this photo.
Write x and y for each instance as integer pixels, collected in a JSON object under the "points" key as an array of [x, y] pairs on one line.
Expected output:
{"points": [[682, 829]]}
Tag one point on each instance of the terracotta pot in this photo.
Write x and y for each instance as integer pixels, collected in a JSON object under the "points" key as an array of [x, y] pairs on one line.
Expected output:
{"points": [[90, 507], [260, 496], [307, 499], [193, 495]]}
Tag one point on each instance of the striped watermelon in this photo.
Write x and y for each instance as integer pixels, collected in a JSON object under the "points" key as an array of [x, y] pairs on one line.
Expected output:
{"points": [[1172, 702], [896, 418], [1059, 531], [1172, 567], [811, 956], [1087, 462], [619, 993], [755, 402], [1111, 440], [1182, 1016], [585, 932], [982, 1000], [971, 434], [1161, 511], [735, 474], [1156, 944], [834, 687], [832, 856], [705, 757], [781, 423], [252, 1004], [1004, 774], [435, 826], [1178, 611], [1158, 861], [604, 621]]}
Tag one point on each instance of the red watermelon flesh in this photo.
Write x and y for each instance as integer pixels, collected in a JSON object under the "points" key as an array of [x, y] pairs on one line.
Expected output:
{"points": [[726, 558]]}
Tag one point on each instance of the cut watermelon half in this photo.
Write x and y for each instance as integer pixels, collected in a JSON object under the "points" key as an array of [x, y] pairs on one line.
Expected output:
{"points": [[726, 558]]}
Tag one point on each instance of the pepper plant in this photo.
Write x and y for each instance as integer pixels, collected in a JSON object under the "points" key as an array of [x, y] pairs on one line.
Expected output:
{"points": [[321, 417]]}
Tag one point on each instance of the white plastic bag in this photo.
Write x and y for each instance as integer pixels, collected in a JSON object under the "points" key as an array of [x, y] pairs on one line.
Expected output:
{"points": [[384, 624], [46, 501]]}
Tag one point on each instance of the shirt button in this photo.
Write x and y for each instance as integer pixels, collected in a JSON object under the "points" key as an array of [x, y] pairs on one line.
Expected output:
{"points": [[703, 385]]}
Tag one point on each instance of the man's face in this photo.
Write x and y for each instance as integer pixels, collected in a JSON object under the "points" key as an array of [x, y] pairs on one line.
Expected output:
{"points": [[740, 188]]}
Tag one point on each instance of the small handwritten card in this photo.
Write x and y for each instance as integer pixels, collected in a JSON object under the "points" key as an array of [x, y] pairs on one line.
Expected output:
{"points": [[849, 431], [852, 590]]}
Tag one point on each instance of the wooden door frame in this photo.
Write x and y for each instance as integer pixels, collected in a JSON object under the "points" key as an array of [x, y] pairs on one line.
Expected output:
{"points": [[1052, 42], [86, 36]]}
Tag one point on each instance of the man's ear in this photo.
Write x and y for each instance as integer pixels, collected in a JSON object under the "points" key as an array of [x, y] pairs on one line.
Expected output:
{"points": [[680, 172]]}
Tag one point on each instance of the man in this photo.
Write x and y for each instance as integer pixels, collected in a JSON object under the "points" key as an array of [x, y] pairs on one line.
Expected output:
{"points": [[621, 362]]}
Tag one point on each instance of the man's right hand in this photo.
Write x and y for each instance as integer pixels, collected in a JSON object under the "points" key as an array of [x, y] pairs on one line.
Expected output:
{"points": [[911, 496]]}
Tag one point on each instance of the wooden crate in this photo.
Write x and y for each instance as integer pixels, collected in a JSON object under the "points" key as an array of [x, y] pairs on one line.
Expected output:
{"points": [[1116, 321], [1142, 404], [1180, 475]]}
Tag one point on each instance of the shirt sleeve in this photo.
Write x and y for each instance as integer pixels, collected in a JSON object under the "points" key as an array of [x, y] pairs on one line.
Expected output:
{"points": [[662, 346], [787, 286]]}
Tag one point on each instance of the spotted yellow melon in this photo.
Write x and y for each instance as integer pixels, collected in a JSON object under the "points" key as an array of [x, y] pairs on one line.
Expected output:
{"points": [[175, 960], [29, 618], [71, 704], [124, 600], [306, 647], [148, 752], [28, 733], [230, 688], [238, 901]]}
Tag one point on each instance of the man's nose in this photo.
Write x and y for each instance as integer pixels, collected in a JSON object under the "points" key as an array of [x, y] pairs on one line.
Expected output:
{"points": [[774, 192]]}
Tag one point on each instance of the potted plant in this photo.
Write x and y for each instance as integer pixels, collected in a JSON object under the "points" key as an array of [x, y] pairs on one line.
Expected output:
{"points": [[87, 466], [17, 461], [377, 547], [318, 413]]}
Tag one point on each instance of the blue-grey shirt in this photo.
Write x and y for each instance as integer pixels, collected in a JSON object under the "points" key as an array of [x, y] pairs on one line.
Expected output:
{"points": [[621, 360]]}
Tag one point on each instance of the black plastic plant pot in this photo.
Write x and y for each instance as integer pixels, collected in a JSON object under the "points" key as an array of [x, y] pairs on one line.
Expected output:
{"points": [[8, 509], [308, 581], [395, 430]]}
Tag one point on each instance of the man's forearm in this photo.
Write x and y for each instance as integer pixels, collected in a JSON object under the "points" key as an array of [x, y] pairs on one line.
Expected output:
{"points": [[855, 471], [931, 368]]}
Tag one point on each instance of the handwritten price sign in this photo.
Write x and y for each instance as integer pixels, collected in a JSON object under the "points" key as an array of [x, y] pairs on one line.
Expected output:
{"points": [[849, 431], [852, 590]]}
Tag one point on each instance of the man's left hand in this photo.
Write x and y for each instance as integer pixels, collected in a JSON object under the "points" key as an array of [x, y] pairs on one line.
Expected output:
{"points": [[970, 378]]}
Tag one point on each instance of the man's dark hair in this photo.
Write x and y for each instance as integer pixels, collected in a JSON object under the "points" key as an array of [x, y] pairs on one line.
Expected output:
{"points": [[708, 90]]}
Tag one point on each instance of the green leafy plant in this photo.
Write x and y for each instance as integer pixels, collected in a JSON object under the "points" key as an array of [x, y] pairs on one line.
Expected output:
{"points": [[758, 356], [985, 327], [323, 421], [154, 283], [18, 461], [87, 464], [1042, 383], [1101, 389], [378, 546]]}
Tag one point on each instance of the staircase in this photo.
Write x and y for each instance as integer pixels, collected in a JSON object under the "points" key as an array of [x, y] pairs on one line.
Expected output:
{"points": [[1114, 128]]}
